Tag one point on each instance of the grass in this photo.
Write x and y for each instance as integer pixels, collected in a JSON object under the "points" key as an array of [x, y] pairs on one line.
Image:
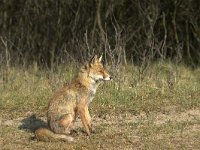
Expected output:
{"points": [[161, 111]]}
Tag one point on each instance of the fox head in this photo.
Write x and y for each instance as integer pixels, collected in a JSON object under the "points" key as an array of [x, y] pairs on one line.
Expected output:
{"points": [[95, 70]]}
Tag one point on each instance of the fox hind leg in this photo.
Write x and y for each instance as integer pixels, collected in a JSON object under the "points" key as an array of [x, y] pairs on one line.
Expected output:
{"points": [[66, 122], [62, 125]]}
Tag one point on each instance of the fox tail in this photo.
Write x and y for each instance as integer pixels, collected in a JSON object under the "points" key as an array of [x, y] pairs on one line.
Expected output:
{"points": [[46, 135]]}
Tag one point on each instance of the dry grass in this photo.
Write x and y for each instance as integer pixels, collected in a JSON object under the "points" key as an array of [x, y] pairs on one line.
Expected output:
{"points": [[159, 112]]}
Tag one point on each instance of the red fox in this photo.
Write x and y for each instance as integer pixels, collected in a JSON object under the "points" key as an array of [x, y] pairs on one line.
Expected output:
{"points": [[71, 100]]}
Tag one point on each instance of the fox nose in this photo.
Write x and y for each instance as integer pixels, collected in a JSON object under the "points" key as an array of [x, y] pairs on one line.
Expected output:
{"points": [[111, 77]]}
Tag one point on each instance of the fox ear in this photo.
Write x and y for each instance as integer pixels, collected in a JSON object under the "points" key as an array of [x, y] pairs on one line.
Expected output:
{"points": [[84, 67], [100, 58], [93, 60]]}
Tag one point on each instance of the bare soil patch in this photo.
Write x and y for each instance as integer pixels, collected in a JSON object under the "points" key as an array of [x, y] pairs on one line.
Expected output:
{"points": [[171, 129]]}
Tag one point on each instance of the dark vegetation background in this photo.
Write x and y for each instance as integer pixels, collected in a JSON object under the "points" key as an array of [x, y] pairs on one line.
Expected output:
{"points": [[49, 32]]}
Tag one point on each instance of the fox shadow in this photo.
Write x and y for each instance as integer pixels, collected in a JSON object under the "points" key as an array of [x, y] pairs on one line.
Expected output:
{"points": [[32, 123]]}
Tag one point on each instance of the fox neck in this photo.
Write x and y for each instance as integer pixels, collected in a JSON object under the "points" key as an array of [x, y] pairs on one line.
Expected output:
{"points": [[88, 82]]}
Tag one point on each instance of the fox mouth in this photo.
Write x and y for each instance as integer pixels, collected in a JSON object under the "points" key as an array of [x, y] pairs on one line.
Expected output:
{"points": [[107, 79], [101, 78]]}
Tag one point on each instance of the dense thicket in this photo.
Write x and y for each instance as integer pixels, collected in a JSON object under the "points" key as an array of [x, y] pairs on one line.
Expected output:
{"points": [[52, 31]]}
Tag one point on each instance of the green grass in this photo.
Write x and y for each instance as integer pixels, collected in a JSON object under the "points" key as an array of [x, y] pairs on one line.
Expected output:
{"points": [[162, 111]]}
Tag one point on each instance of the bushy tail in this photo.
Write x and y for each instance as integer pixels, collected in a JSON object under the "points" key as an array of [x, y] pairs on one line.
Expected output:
{"points": [[44, 134]]}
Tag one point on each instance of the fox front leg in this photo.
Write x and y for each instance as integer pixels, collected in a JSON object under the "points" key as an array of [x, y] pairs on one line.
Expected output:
{"points": [[86, 119]]}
